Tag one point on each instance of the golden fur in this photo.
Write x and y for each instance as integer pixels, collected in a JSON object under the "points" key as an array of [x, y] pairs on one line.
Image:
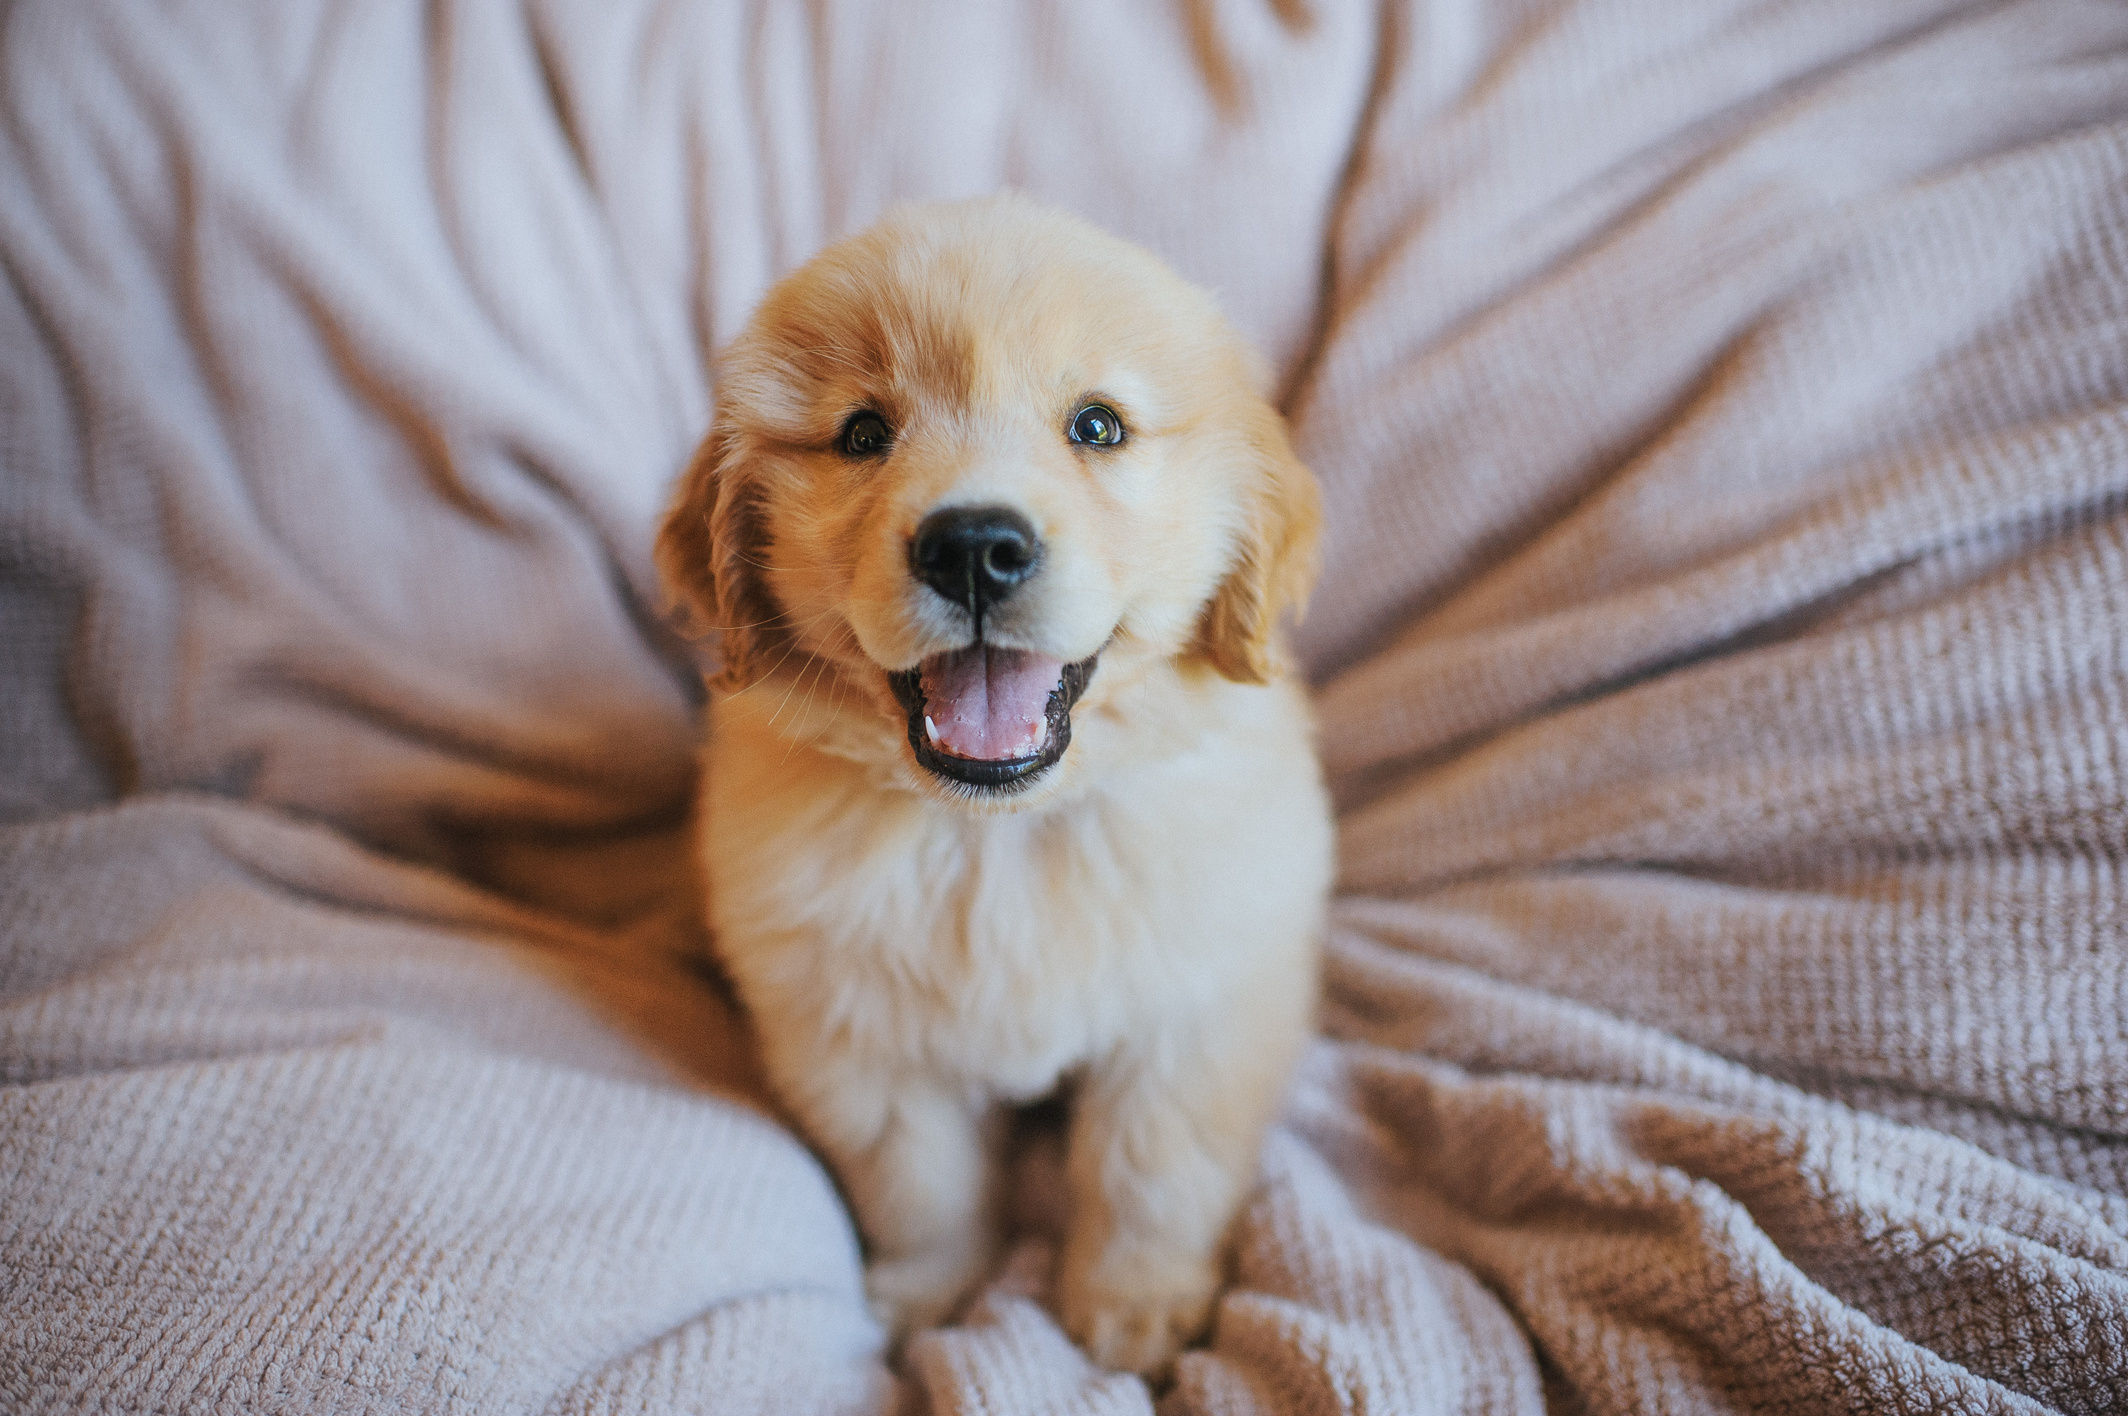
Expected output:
{"points": [[1141, 921]]}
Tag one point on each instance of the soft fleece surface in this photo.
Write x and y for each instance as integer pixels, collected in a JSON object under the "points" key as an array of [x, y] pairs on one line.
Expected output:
{"points": [[1722, 411]]}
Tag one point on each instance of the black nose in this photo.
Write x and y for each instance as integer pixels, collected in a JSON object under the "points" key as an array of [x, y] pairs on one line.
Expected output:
{"points": [[975, 555]]}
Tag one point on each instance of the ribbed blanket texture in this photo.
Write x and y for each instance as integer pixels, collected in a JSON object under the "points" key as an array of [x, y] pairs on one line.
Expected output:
{"points": [[1722, 655]]}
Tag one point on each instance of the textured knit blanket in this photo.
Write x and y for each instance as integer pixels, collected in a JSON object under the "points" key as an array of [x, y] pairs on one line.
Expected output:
{"points": [[1722, 412]]}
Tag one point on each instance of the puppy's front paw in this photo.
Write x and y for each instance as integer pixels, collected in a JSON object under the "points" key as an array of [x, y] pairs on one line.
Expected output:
{"points": [[917, 1291], [1139, 1322]]}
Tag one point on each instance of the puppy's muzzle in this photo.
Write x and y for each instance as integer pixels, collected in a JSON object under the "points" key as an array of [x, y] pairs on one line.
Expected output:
{"points": [[985, 716], [975, 556]]}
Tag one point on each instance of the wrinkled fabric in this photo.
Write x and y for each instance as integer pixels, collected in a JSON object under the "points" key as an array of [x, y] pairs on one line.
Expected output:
{"points": [[1721, 654]]}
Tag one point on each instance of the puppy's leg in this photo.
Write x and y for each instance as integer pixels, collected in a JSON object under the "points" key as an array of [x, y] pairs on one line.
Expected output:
{"points": [[1163, 1149], [918, 1162]]}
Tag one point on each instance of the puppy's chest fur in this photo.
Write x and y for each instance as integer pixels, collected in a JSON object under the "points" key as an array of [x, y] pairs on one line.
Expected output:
{"points": [[999, 952]]}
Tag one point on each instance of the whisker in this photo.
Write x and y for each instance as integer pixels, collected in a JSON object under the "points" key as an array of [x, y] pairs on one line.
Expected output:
{"points": [[764, 565], [784, 702], [779, 615], [844, 634], [789, 650], [792, 649], [818, 665]]}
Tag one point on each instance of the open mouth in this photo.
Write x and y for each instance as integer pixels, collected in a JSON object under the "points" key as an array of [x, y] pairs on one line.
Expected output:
{"points": [[989, 717]]}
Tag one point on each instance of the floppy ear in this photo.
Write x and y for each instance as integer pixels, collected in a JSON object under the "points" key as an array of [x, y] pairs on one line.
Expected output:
{"points": [[710, 550], [1275, 559]]}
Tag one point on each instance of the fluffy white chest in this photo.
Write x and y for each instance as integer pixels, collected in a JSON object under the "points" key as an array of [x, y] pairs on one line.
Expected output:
{"points": [[998, 951]]}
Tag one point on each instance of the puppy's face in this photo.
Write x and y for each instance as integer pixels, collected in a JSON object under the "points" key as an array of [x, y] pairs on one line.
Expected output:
{"points": [[975, 462]]}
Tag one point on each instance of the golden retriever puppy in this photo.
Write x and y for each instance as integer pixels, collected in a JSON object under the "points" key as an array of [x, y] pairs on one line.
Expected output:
{"points": [[1008, 784]]}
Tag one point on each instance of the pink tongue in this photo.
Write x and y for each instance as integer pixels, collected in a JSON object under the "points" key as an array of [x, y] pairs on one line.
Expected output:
{"points": [[987, 703]]}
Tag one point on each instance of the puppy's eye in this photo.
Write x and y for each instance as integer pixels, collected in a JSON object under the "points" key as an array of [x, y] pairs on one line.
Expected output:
{"points": [[1097, 426], [866, 434]]}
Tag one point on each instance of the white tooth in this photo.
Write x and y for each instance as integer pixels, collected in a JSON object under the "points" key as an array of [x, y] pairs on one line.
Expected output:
{"points": [[930, 728]]}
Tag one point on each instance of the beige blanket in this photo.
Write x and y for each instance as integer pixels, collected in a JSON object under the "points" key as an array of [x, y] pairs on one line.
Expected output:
{"points": [[1722, 410]]}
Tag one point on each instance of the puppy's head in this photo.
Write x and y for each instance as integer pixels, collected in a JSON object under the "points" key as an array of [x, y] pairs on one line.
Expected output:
{"points": [[964, 460]]}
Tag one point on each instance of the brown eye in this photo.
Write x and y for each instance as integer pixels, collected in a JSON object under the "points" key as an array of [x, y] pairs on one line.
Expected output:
{"points": [[866, 434], [1097, 426]]}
